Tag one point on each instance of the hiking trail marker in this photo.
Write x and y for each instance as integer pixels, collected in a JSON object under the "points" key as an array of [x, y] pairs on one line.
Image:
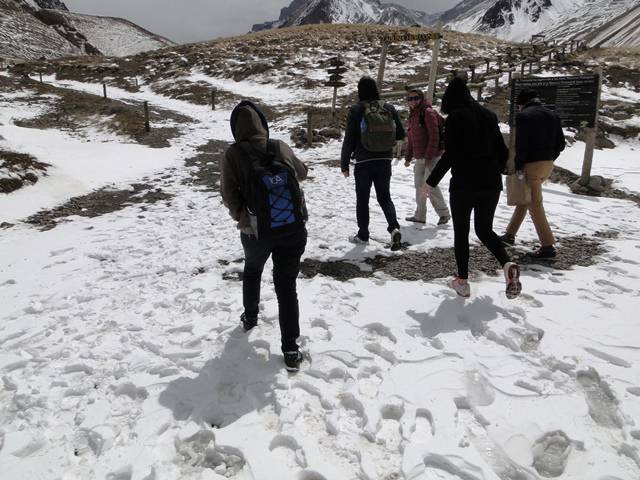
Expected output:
{"points": [[335, 79], [575, 99]]}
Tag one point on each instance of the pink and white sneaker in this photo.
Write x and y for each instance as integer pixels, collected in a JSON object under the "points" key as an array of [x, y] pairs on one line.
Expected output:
{"points": [[461, 286], [512, 279]]}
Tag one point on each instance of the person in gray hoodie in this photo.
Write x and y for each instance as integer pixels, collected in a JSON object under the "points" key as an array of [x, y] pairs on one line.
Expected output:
{"points": [[251, 133]]}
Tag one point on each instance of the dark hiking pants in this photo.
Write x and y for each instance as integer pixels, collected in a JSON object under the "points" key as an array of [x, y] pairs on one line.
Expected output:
{"points": [[285, 252], [378, 174], [483, 204]]}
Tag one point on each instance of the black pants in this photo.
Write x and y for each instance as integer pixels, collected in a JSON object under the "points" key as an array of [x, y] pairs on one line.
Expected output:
{"points": [[286, 252], [484, 206], [378, 174]]}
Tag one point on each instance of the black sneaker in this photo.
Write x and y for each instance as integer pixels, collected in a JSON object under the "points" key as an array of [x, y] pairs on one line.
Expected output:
{"points": [[544, 252], [396, 239], [443, 220], [508, 239], [292, 360], [248, 322]]}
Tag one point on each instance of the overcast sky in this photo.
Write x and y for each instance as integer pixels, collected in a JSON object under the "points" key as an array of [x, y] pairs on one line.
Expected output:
{"points": [[195, 20]]}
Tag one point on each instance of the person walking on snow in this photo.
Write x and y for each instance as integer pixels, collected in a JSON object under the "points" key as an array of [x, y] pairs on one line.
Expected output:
{"points": [[423, 145], [539, 141], [476, 154], [241, 188], [373, 127]]}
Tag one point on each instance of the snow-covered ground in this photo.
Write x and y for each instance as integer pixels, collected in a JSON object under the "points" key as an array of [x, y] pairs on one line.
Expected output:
{"points": [[121, 356]]}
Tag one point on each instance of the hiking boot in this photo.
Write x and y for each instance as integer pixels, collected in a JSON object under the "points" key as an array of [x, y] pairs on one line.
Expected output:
{"points": [[414, 219], [461, 286], [248, 322], [508, 239], [443, 220], [512, 279], [357, 240], [544, 252], [396, 239], [292, 360]]}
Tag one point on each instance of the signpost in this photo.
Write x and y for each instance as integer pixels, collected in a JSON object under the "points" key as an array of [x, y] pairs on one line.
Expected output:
{"points": [[335, 79], [575, 99]]}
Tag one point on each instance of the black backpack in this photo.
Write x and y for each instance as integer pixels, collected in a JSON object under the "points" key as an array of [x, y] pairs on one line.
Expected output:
{"points": [[274, 197]]}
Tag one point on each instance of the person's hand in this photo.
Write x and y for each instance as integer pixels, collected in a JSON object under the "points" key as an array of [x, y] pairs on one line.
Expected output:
{"points": [[426, 190], [346, 174], [407, 163]]}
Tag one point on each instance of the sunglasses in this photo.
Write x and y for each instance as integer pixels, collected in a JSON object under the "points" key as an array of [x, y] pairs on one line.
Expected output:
{"points": [[413, 99]]}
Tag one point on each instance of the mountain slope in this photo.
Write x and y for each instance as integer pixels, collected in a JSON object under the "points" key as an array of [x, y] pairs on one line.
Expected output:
{"points": [[517, 20], [27, 30], [305, 12]]}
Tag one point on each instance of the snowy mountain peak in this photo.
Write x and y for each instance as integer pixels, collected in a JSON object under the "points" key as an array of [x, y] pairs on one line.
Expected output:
{"points": [[304, 12]]}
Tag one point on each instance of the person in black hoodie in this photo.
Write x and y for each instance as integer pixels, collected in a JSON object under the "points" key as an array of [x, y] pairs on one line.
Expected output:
{"points": [[539, 141], [476, 154], [251, 131], [371, 168]]}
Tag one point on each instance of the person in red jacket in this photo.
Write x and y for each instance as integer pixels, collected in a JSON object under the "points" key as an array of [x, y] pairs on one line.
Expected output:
{"points": [[423, 134]]}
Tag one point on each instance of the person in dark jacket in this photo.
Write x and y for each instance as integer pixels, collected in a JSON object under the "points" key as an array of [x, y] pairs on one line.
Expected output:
{"points": [[371, 168], [539, 141], [476, 154], [250, 128]]}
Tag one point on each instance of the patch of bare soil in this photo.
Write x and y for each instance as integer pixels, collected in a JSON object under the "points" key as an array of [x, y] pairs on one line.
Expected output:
{"points": [[98, 203], [18, 170], [205, 167], [440, 262], [605, 188], [72, 110]]}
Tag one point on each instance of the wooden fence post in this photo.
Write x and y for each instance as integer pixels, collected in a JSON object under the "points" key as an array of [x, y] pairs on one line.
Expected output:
{"points": [[435, 57], [488, 65], [383, 64], [147, 124], [473, 73], [213, 99], [334, 101], [530, 67], [309, 128], [104, 90], [522, 69], [591, 137]]}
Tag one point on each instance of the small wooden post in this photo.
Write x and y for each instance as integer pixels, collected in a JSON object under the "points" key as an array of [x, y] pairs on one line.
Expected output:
{"points": [[213, 99], [383, 63], [488, 65], [473, 73], [480, 88], [530, 67], [510, 72], [498, 80], [104, 90], [309, 128], [522, 69], [147, 124], [435, 57], [334, 102], [591, 137]]}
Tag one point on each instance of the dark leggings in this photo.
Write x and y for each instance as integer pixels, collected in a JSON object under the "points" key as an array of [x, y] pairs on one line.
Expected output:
{"points": [[484, 206]]}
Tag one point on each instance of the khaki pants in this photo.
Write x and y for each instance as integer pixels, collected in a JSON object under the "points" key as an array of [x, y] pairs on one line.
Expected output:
{"points": [[536, 173], [421, 171]]}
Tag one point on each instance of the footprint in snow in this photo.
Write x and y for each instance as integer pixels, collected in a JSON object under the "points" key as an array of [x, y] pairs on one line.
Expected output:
{"points": [[551, 453]]}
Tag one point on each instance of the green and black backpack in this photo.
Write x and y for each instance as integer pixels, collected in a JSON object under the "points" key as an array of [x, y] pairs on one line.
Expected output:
{"points": [[377, 127]]}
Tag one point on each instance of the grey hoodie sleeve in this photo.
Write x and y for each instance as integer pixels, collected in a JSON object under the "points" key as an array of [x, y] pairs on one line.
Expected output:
{"points": [[230, 189], [288, 156]]}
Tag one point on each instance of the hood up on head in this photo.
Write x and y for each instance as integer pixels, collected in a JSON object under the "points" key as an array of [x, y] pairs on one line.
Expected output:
{"points": [[456, 95], [248, 124], [368, 89]]}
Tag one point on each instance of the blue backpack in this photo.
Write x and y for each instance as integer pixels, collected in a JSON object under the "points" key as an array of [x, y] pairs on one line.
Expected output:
{"points": [[274, 198]]}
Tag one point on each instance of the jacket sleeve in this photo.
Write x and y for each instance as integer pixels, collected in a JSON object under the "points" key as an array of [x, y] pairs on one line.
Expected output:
{"points": [[502, 151], [298, 166], [351, 136], [433, 133], [230, 189], [521, 142], [400, 134], [450, 149], [560, 140]]}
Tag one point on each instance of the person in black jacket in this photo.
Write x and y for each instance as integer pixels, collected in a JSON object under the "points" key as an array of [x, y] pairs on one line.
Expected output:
{"points": [[371, 168], [476, 154], [539, 141]]}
